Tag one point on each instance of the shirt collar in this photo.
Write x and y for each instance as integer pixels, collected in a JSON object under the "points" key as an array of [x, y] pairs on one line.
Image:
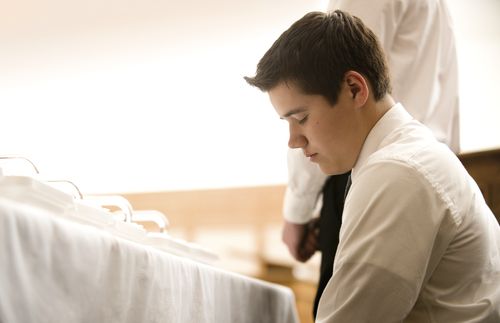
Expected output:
{"points": [[393, 118]]}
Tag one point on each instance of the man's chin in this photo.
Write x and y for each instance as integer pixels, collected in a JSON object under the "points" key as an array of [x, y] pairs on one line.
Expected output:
{"points": [[327, 169]]}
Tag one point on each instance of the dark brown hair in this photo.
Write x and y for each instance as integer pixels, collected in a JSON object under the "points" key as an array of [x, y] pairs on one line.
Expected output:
{"points": [[317, 51]]}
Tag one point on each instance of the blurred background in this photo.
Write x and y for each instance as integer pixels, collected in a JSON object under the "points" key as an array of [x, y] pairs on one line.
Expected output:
{"points": [[147, 95], [146, 98]]}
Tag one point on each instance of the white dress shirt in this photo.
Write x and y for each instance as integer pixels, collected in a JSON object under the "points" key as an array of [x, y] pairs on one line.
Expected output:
{"points": [[418, 242], [418, 39]]}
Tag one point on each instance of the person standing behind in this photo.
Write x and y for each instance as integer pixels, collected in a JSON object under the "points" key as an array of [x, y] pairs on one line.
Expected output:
{"points": [[418, 40]]}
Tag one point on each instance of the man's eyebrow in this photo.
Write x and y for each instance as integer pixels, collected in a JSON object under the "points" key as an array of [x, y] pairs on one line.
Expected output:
{"points": [[292, 112]]}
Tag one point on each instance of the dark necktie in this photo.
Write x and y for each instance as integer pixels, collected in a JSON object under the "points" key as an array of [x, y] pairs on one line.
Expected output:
{"points": [[334, 193], [347, 186]]}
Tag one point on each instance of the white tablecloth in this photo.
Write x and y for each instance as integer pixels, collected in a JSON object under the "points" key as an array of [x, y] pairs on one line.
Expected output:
{"points": [[56, 270]]}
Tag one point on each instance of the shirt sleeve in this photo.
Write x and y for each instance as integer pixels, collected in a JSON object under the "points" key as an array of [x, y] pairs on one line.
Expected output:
{"points": [[305, 182], [395, 228]]}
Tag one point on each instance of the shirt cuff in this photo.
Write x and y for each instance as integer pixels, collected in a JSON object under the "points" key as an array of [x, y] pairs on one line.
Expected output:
{"points": [[299, 209]]}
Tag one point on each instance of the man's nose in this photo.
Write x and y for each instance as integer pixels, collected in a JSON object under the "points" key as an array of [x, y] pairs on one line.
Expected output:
{"points": [[296, 139]]}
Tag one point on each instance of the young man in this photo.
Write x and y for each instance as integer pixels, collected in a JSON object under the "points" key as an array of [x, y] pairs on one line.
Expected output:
{"points": [[424, 73], [418, 242]]}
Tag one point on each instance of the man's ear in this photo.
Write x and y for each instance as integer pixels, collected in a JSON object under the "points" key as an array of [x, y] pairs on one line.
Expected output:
{"points": [[358, 87]]}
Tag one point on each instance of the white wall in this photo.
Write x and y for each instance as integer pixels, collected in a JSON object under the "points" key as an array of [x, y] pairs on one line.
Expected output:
{"points": [[477, 26], [145, 95]]}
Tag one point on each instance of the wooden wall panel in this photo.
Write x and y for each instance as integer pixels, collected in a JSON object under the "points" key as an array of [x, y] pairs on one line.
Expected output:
{"points": [[215, 207], [484, 167]]}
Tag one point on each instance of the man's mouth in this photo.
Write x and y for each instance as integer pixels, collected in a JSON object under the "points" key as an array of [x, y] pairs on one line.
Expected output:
{"points": [[311, 156]]}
